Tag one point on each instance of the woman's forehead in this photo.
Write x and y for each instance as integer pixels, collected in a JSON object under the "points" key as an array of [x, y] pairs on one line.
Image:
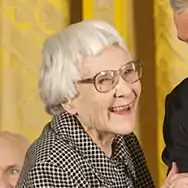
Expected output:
{"points": [[111, 58]]}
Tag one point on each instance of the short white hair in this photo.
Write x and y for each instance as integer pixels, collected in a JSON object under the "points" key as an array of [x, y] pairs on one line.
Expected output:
{"points": [[179, 5], [63, 51]]}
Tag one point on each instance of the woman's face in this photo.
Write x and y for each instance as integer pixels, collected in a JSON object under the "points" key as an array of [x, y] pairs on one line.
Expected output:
{"points": [[107, 112]]}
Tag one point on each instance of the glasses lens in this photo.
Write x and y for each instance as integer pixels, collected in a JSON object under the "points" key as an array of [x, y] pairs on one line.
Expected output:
{"points": [[132, 72], [105, 81]]}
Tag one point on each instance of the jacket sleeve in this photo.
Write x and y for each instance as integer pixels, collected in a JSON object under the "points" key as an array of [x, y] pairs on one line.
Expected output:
{"points": [[175, 126], [169, 111], [179, 133]]}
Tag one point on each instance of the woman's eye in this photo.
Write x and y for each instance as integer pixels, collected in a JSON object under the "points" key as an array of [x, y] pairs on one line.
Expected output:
{"points": [[128, 71], [105, 80]]}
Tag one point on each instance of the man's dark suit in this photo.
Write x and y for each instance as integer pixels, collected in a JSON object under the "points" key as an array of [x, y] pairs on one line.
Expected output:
{"points": [[175, 127]]}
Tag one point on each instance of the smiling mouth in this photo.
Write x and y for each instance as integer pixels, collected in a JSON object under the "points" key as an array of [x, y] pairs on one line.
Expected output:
{"points": [[122, 109]]}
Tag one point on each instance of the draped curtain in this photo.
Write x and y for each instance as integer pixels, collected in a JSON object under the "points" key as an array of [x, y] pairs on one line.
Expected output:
{"points": [[23, 27], [149, 32]]}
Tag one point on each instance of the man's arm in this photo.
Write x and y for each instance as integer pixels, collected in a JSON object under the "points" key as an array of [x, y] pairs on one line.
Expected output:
{"points": [[169, 111], [179, 133]]}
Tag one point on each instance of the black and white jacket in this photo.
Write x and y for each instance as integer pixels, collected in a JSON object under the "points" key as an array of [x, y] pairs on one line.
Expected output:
{"points": [[64, 156]]}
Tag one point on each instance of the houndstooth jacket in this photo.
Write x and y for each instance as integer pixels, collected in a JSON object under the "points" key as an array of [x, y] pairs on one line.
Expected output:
{"points": [[64, 156]]}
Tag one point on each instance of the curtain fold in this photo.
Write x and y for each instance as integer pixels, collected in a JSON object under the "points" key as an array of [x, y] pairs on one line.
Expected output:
{"points": [[23, 27], [117, 12]]}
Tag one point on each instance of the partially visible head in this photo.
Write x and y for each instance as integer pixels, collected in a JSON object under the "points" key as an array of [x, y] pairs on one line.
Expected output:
{"points": [[82, 51], [13, 148], [180, 11]]}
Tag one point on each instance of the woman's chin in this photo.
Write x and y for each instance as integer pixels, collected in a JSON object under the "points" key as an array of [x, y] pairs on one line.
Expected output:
{"points": [[126, 129], [122, 124]]}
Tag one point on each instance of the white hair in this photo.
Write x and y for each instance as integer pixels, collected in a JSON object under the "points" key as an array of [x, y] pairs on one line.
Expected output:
{"points": [[61, 54], [179, 5]]}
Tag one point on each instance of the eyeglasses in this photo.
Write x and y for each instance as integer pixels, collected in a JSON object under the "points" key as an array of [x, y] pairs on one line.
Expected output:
{"points": [[107, 80]]}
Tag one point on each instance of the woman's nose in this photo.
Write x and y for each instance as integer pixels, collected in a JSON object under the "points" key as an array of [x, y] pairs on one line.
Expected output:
{"points": [[123, 88]]}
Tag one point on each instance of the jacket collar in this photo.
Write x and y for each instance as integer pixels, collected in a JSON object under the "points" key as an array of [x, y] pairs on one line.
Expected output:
{"points": [[69, 129]]}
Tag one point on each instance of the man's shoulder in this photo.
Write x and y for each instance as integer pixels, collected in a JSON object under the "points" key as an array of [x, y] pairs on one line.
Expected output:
{"points": [[181, 88], [178, 97]]}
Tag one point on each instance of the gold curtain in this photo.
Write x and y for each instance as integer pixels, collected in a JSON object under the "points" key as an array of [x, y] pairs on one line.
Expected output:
{"points": [[112, 11], [23, 27], [171, 65]]}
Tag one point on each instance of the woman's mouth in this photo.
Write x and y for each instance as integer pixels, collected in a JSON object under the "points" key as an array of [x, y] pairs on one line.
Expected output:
{"points": [[122, 110]]}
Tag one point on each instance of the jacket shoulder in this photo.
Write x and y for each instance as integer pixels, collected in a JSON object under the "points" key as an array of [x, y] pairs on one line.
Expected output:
{"points": [[181, 88]]}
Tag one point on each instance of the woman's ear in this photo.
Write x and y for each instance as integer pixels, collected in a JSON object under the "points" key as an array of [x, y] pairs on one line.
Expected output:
{"points": [[69, 107]]}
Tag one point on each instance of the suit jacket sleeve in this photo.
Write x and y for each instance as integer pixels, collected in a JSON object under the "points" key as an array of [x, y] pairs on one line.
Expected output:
{"points": [[175, 126], [179, 132], [169, 111]]}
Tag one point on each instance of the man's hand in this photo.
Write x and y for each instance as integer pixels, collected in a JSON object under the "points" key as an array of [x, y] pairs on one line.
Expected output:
{"points": [[173, 171], [175, 179]]}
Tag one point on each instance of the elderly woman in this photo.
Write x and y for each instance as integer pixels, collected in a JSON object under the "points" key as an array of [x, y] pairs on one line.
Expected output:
{"points": [[91, 86]]}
